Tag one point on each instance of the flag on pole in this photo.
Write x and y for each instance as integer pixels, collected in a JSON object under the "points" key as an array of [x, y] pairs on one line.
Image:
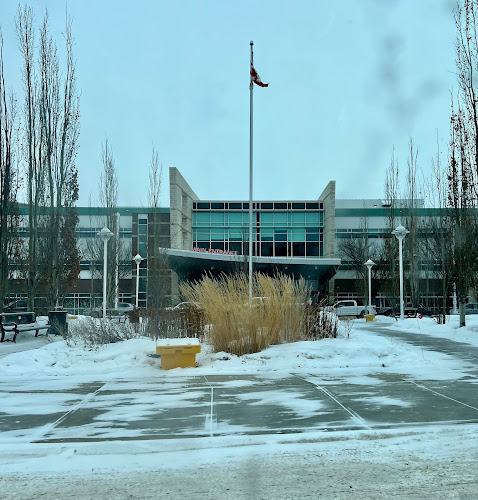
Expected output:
{"points": [[256, 78]]}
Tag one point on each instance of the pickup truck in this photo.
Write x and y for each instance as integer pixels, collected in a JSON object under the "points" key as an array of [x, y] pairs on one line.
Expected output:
{"points": [[350, 308]]}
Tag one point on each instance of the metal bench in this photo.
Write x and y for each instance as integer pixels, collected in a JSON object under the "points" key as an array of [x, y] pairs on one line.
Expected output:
{"points": [[15, 329], [119, 318]]}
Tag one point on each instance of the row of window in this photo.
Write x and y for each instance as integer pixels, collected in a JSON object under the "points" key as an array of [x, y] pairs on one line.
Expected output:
{"points": [[264, 234], [92, 232], [286, 219], [269, 205], [361, 233], [126, 265]]}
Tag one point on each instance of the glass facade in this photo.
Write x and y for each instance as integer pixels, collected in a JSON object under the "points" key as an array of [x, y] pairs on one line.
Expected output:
{"points": [[280, 229]]}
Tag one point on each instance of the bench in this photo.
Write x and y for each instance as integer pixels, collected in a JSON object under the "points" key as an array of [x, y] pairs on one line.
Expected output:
{"points": [[120, 319], [15, 329]]}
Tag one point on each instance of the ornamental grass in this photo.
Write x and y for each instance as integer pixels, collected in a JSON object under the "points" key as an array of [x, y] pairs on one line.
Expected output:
{"points": [[277, 313]]}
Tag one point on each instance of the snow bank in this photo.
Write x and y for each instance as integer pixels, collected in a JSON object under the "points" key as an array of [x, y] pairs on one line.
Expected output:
{"points": [[360, 354], [450, 330]]}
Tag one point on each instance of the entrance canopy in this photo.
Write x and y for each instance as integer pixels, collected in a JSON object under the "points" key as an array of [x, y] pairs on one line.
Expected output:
{"points": [[193, 265]]}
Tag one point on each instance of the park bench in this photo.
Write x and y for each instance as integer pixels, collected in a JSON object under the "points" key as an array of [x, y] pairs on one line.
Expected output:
{"points": [[119, 319], [15, 323]]}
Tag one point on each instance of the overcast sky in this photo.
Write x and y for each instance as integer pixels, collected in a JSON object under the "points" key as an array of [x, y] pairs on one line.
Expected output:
{"points": [[348, 81]]}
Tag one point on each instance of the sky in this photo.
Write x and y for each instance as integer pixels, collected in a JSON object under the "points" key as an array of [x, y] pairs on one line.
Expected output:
{"points": [[349, 81]]}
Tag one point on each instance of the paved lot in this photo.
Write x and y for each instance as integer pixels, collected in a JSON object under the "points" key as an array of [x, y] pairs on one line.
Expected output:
{"points": [[146, 420], [228, 405], [120, 409]]}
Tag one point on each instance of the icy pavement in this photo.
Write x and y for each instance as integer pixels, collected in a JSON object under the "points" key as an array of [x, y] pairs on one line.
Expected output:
{"points": [[395, 413]]}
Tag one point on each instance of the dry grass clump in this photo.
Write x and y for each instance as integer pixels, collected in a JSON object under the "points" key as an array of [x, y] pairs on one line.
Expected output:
{"points": [[323, 324], [277, 314]]}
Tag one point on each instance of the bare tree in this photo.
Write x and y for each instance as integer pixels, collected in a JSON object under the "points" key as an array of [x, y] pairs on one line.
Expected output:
{"points": [[462, 171], [412, 248], [390, 275], [355, 250], [437, 237], [158, 263], [59, 126], [108, 194], [9, 183], [51, 130], [32, 146], [462, 203]]}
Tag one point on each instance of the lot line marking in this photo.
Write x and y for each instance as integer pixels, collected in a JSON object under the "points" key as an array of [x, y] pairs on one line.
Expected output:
{"points": [[48, 427], [443, 396], [212, 406], [355, 416]]}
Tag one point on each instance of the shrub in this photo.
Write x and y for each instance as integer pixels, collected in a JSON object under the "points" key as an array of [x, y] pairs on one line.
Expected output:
{"points": [[171, 323], [238, 328], [322, 324], [95, 332]]}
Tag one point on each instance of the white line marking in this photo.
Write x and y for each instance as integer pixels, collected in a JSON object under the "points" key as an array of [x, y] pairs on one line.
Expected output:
{"points": [[443, 396], [48, 427], [355, 416], [212, 407]]}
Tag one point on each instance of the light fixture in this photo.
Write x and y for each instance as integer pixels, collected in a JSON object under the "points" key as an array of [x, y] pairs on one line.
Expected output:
{"points": [[400, 233]]}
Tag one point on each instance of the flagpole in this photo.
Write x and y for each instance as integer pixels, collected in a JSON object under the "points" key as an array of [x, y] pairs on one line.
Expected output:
{"points": [[250, 180]]}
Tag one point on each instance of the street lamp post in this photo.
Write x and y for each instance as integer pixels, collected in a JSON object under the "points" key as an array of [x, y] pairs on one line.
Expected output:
{"points": [[105, 235], [137, 258], [369, 265], [400, 233]]}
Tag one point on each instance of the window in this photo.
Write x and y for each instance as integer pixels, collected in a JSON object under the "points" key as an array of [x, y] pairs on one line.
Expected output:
{"points": [[280, 235], [298, 218], [267, 234], [217, 234], [267, 249], [312, 218], [235, 219], [312, 249], [298, 249], [280, 219], [280, 249], [312, 206], [297, 234], [312, 235], [267, 219], [203, 218], [217, 218]]}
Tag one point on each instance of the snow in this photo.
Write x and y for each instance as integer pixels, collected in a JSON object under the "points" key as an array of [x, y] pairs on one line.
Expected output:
{"points": [[120, 385], [451, 329], [177, 342]]}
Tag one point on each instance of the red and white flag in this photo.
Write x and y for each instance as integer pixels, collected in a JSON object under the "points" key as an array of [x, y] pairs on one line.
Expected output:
{"points": [[256, 78]]}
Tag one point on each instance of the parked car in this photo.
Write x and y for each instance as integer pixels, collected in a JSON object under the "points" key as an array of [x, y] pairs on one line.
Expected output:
{"points": [[384, 311], [16, 306], [350, 308], [120, 310], [422, 311], [182, 306], [414, 312], [471, 308]]}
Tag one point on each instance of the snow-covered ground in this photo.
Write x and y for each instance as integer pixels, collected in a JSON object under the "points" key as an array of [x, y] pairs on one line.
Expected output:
{"points": [[400, 460], [356, 352]]}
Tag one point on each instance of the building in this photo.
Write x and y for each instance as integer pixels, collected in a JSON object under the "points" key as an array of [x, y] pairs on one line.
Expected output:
{"points": [[300, 238]]}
